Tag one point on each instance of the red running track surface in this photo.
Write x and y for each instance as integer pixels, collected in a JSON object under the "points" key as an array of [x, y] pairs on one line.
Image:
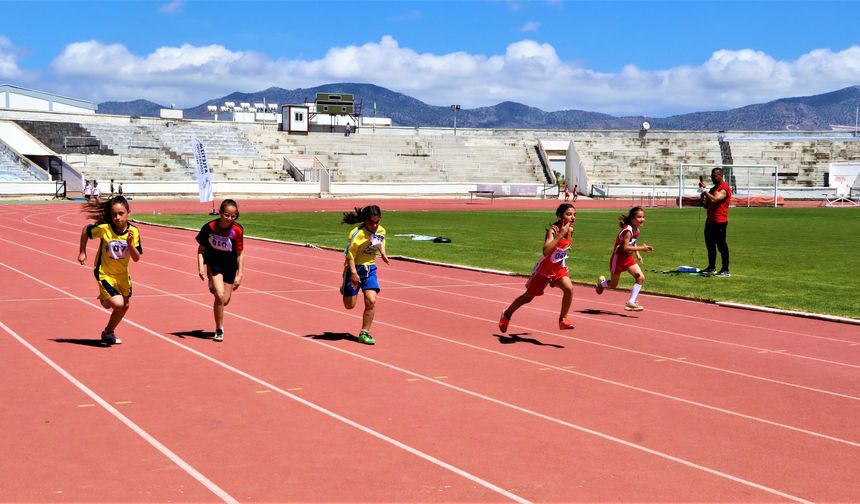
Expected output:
{"points": [[626, 407]]}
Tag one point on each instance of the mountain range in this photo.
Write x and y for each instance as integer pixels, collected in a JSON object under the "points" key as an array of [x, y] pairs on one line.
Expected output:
{"points": [[815, 112]]}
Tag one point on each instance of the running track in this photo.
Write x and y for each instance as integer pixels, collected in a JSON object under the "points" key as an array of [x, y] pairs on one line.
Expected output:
{"points": [[626, 407]]}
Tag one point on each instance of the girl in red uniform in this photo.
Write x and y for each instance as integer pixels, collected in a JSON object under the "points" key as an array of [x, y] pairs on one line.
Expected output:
{"points": [[551, 269], [221, 259], [622, 256]]}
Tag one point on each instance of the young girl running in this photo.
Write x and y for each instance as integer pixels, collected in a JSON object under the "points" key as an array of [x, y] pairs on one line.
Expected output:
{"points": [[365, 241], [622, 256], [221, 259], [551, 269], [119, 242]]}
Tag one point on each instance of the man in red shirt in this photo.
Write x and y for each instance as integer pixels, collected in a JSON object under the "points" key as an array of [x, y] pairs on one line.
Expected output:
{"points": [[716, 201]]}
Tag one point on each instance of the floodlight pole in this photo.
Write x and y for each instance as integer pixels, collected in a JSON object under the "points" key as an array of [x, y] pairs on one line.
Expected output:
{"points": [[455, 108]]}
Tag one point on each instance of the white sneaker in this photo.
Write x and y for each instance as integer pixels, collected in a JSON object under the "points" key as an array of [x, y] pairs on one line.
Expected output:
{"points": [[219, 334], [600, 286], [633, 307]]}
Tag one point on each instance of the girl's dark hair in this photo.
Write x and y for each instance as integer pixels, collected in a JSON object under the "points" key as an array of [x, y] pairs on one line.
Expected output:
{"points": [[562, 208], [624, 220], [100, 211], [361, 214], [229, 202]]}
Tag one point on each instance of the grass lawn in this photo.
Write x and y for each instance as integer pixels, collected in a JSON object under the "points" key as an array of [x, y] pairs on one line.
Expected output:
{"points": [[794, 258]]}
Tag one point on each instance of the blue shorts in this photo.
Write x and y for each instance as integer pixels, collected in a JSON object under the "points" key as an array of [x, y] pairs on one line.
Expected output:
{"points": [[367, 280]]}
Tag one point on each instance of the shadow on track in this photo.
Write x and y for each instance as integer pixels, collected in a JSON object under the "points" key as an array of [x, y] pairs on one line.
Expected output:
{"points": [[195, 333], [517, 338], [333, 336], [82, 341]]}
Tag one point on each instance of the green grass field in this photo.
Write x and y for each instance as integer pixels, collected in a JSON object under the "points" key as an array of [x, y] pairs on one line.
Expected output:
{"points": [[793, 258]]}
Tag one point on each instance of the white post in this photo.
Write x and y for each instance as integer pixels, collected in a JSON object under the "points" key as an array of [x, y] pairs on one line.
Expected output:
{"points": [[775, 185], [681, 187]]}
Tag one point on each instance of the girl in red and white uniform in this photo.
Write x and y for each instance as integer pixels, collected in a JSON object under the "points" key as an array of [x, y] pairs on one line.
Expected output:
{"points": [[551, 269], [622, 256]]}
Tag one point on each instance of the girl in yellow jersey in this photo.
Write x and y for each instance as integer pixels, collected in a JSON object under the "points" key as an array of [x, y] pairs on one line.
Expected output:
{"points": [[120, 241], [365, 241]]}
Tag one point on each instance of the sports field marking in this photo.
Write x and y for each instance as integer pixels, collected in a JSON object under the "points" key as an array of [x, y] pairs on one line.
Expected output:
{"points": [[518, 284], [465, 391], [584, 375], [158, 229], [223, 495], [632, 326], [607, 437], [176, 459]]}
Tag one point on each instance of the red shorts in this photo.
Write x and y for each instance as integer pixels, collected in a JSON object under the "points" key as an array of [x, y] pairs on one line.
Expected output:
{"points": [[620, 265], [537, 283]]}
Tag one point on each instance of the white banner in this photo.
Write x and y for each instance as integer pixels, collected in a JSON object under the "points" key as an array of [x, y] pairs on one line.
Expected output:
{"points": [[204, 176]]}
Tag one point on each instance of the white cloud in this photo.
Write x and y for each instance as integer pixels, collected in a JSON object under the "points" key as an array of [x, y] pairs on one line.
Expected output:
{"points": [[528, 72], [172, 7], [530, 26], [8, 60]]}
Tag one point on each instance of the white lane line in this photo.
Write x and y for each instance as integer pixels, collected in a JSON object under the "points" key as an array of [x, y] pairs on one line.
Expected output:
{"points": [[435, 289], [367, 430], [583, 375], [508, 285], [465, 391], [167, 452]]}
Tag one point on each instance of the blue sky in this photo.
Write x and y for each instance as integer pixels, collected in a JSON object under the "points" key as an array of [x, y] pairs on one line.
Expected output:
{"points": [[622, 58]]}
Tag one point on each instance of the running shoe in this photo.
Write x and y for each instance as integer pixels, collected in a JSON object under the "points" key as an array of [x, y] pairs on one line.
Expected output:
{"points": [[366, 338], [109, 338], [600, 286], [723, 273], [707, 271], [503, 323], [565, 324], [219, 334], [633, 307]]}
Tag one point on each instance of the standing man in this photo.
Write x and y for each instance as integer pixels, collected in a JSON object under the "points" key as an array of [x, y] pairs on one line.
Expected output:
{"points": [[716, 201]]}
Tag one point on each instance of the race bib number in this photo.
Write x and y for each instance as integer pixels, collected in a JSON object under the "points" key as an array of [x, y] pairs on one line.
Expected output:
{"points": [[559, 256], [376, 239], [222, 243], [633, 242], [117, 249]]}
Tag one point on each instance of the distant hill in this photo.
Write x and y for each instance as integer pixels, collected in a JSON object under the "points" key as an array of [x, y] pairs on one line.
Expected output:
{"points": [[816, 112], [143, 108]]}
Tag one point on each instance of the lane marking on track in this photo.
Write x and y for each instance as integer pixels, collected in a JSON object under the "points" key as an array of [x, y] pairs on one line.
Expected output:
{"points": [[263, 391], [120, 403], [88, 405], [430, 288], [379, 435], [576, 373], [545, 369], [413, 379], [176, 459], [297, 389], [279, 245], [199, 476]]}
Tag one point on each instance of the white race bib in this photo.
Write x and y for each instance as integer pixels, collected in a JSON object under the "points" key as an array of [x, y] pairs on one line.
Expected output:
{"points": [[222, 243], [117, 249], [559, 255]]}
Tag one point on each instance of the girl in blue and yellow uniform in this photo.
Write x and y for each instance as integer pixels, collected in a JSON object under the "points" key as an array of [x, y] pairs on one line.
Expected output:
{"points": [[120, 241], [365, 241]]}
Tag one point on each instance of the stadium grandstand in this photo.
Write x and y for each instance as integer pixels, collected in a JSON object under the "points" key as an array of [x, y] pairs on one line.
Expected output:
{"points": [[50, 144]]}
